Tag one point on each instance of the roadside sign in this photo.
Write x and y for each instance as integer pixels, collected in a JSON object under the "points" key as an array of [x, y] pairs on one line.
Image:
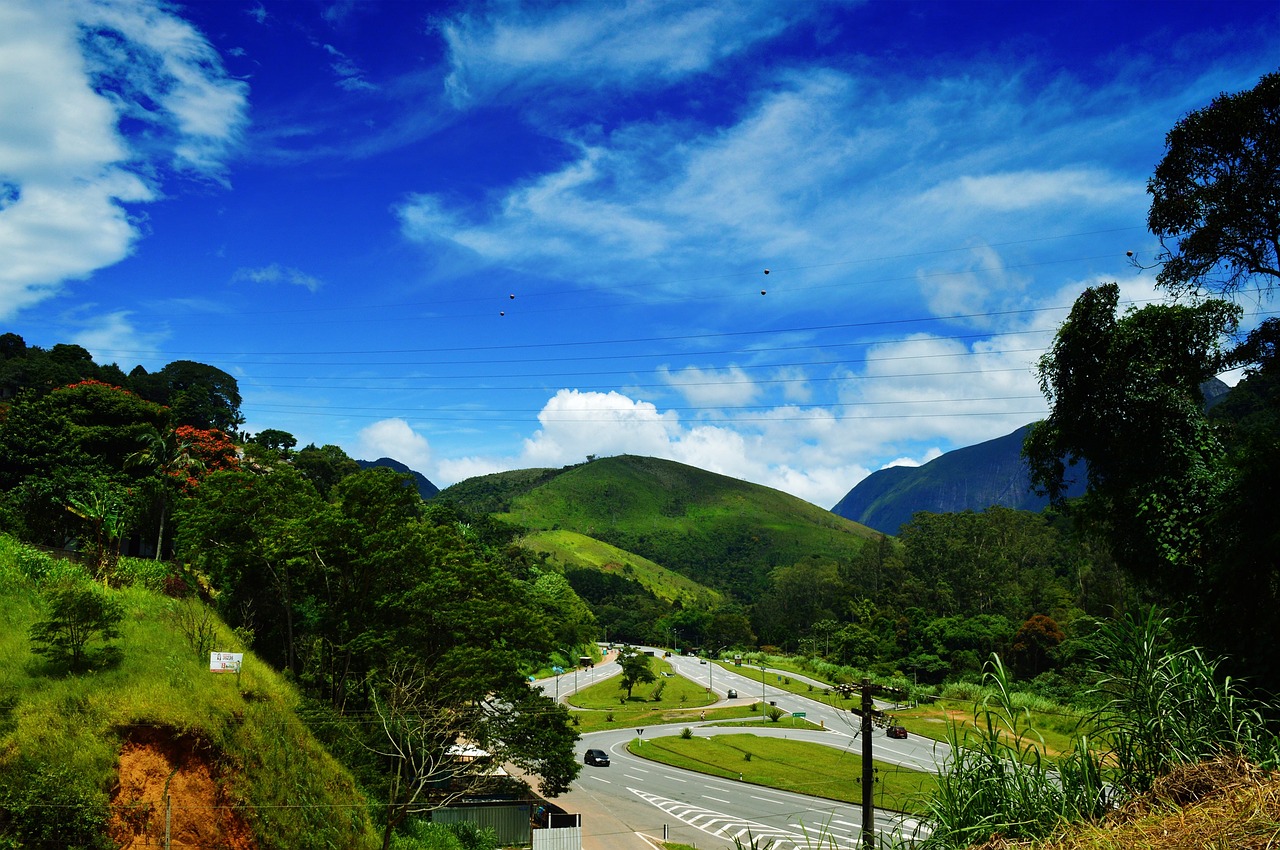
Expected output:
{"points": [[225, 662], [797, 714]]}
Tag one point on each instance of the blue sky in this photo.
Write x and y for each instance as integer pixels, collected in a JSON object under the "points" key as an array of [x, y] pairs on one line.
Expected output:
{"points": [[485, 236]]}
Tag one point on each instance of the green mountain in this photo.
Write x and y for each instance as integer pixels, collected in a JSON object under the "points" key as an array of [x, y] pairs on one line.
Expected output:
{"points": [[573, 551], [426, 489], [719, 531]]}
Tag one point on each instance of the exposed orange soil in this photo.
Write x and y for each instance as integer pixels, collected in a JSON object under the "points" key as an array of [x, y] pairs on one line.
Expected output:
{"points": [[200, 812]]}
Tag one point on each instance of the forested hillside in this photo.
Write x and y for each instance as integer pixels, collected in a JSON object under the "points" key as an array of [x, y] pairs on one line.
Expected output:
{"points": [[339, 579]]}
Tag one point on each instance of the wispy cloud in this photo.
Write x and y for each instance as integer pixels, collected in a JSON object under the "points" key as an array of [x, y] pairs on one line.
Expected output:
{"points": [[350, 75], [276, 273], [820, 167], [590, 45], [115, 338]]}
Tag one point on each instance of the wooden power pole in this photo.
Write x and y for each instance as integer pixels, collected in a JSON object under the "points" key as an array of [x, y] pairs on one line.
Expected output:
{"points": [[869, 692]]}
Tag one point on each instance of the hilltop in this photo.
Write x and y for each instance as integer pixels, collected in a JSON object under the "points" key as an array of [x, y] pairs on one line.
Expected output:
{"points": [[719, 531]]}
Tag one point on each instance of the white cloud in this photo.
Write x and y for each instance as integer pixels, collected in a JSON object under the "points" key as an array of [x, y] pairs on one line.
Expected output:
{"points": [[106, 334], [932, 454], [396, 439], [785, 453], [589, 45], [276, 273], [1029, 189], [712, 387], [67, 169], [170, 63]]}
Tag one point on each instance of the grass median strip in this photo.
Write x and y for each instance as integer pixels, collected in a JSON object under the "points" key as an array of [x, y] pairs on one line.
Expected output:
{"points": [[798, 766]]}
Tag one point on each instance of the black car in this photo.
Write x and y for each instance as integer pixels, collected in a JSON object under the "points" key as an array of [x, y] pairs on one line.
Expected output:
{"points": [[597, 757], [897, 732], [732, 694]]}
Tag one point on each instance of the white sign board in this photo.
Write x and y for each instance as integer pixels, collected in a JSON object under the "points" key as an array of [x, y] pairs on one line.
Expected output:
{"points": [[225, 662]]}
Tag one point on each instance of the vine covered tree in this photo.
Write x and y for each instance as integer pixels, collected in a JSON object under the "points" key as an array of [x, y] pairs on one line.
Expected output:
{"points": [[1216, 194], [1126, 399]]}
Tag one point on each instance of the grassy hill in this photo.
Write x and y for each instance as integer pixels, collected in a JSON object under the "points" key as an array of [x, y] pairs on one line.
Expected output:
{"points": [[85, 758], [719, 531], [571, 550]]}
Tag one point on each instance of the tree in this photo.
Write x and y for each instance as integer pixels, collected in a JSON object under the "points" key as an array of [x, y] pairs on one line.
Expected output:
{"points": [[1035, 639], [170, 461], [256, 536], [635, 669], [431, 747], [200, 396], [1125, 396], [275, 439], [1216, 194], [78, 614], [324, 466]]}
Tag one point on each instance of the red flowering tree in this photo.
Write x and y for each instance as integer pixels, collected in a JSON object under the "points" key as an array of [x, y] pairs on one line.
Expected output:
{"points": [[179, 459]]}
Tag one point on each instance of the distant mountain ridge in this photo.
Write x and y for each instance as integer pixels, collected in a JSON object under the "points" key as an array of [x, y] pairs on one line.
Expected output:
{"points": [[425, 488], [972, 478]]}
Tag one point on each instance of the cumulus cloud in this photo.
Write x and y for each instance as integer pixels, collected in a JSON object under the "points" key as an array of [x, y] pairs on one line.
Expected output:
{"points": [[276, 273], [781, 451], [396, 439], [712, 387], [73, 71]]}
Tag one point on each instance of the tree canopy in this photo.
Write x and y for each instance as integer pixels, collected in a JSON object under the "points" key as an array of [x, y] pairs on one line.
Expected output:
{"points": [[1216, 194]]}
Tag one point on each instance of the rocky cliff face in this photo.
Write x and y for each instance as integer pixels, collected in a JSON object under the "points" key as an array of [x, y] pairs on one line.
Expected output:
{"points": [[972, 478]]}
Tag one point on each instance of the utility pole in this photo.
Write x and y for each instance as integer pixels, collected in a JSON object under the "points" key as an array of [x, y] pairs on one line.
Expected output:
{"points": [[868, 692]]}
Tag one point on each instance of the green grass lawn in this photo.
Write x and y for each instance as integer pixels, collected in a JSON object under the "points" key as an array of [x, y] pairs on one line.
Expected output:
{"points": [[677, 692], [798, 766], [928, 720]]}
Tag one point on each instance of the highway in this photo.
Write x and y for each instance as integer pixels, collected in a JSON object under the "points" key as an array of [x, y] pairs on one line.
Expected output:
{"points": [[635, 802]]}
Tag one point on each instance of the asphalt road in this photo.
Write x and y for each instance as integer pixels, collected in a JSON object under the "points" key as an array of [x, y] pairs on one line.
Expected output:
{"points": [[635, 802]]}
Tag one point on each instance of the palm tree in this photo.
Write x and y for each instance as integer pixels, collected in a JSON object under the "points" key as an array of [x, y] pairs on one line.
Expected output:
{"points": [[169, 459]]}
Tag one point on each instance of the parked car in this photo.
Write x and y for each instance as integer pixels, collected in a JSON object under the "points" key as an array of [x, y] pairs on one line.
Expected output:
{"points": [[599, 758], [732, 694], [897, 732]]}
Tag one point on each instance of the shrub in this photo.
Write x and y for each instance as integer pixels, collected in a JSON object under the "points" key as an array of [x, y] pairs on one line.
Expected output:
{"points": [[50, 806], [143, 572], [686, 733], [78, 614]]}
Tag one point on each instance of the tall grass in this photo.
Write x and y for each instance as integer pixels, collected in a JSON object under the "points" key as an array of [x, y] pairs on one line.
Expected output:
{"points": [[1165, 705], [1000, 780], [1162, 705]]}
